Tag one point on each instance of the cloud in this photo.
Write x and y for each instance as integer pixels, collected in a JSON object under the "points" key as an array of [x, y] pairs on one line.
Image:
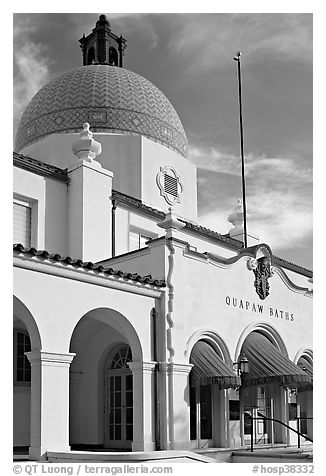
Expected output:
{"points": [[256, 165], [282, 221], [138, 24], [211, 40], [278, 195], [31, 67]]}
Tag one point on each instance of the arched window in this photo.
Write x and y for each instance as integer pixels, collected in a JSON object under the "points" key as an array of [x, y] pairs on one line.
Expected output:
{"points": [[113, 56], [121, 358], [91, 55]]}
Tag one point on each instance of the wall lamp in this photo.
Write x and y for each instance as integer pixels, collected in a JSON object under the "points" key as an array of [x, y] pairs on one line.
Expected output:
{"points": [[242, 365]]}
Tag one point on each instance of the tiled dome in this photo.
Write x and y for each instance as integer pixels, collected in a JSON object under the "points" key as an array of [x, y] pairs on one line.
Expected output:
{"points": [[111, 99]]}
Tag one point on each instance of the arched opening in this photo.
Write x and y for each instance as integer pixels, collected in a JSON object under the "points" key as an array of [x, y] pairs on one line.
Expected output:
{"points": [[209, 380], [104, 342], [91, 55], [113, 56], [265, 387], [25, 338], [302, 398]]}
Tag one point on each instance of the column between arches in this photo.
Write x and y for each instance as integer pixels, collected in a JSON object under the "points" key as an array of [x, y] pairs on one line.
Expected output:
{"points": [[144, 405], [49, 402]]}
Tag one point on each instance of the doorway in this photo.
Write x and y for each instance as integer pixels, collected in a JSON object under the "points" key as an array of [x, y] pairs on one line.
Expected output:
{"points": [[201, 417], [118, 398]]}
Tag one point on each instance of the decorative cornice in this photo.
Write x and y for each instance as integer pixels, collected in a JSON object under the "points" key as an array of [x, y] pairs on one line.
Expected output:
{"points": [[207, 233], [136, 204], [40, 168], [173, 368], [39, 356], [141, 367], [224, 240], [246, 253], [292, 267], [287, 281]]}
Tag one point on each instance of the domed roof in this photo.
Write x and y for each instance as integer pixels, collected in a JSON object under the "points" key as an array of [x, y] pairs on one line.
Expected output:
{"points": [[111, 99]]}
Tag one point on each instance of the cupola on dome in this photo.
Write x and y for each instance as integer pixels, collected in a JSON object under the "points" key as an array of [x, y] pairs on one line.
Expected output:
{"points": [[111, 99]]}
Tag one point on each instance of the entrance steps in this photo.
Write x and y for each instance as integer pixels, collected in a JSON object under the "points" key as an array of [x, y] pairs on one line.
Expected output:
{"points": [[264, 454], [169, 456]]}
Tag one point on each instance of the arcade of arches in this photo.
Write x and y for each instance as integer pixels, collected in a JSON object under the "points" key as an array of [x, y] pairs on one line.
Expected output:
{"points": [[107, 384]]}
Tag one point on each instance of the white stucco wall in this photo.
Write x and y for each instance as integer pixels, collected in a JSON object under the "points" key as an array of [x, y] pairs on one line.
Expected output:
{"points": [[205, 293], [134, 160], [143, 262], [89, 212], [48, 198], [121, 154], [83, 297], [155, 156], [202, 291]]}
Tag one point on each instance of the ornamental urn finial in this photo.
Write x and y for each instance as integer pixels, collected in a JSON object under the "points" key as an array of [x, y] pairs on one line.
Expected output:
{"points": [[86, 148], [236, 218]]}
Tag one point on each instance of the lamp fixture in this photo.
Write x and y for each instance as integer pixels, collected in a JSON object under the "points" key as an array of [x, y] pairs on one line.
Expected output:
{"points": [[242, 365]]}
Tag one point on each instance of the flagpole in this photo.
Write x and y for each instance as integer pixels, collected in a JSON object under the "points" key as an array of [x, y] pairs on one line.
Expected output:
{"points": [[237, 59]]}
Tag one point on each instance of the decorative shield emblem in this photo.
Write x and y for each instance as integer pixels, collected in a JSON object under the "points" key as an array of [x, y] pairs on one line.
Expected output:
{"points": [[262, 274]]}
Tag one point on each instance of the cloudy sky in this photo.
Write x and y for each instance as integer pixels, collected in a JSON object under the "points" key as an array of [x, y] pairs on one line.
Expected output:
{"points": [[189, 57]]}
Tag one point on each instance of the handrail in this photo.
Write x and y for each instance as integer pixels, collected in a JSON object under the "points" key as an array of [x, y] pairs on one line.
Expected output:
{"points": [[277, 421]]}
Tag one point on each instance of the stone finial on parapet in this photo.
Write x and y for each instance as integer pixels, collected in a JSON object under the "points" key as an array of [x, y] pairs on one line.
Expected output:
{"points": [[237, 232], [86, 148], [236, 219]]}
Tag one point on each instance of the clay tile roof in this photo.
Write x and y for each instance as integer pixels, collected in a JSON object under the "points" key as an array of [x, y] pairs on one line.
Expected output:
{"points": [[18, 247]]}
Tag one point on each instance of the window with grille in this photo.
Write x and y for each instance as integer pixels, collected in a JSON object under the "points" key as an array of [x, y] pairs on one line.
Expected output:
{"points": [[121, 358], [22, 366], [170, 184], [22, 223]]}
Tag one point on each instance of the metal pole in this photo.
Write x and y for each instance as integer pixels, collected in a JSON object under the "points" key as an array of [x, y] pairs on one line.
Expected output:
{"points": [[272, 422], [298, 423], [237, 59]]}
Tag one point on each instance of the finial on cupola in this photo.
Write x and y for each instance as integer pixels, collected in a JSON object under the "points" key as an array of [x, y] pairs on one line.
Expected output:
{"points": [[102, 46]]}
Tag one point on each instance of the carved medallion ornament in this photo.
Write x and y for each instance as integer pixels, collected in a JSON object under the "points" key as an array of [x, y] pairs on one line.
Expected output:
{"points": [[262, 274], [170, 185]]}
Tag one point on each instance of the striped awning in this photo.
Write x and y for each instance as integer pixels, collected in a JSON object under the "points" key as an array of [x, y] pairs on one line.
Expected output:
{"points": [[209, 369], [267, 364], [306, 366]]}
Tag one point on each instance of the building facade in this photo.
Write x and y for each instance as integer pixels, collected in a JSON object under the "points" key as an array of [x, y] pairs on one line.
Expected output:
{"points": [[136, 328]]}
